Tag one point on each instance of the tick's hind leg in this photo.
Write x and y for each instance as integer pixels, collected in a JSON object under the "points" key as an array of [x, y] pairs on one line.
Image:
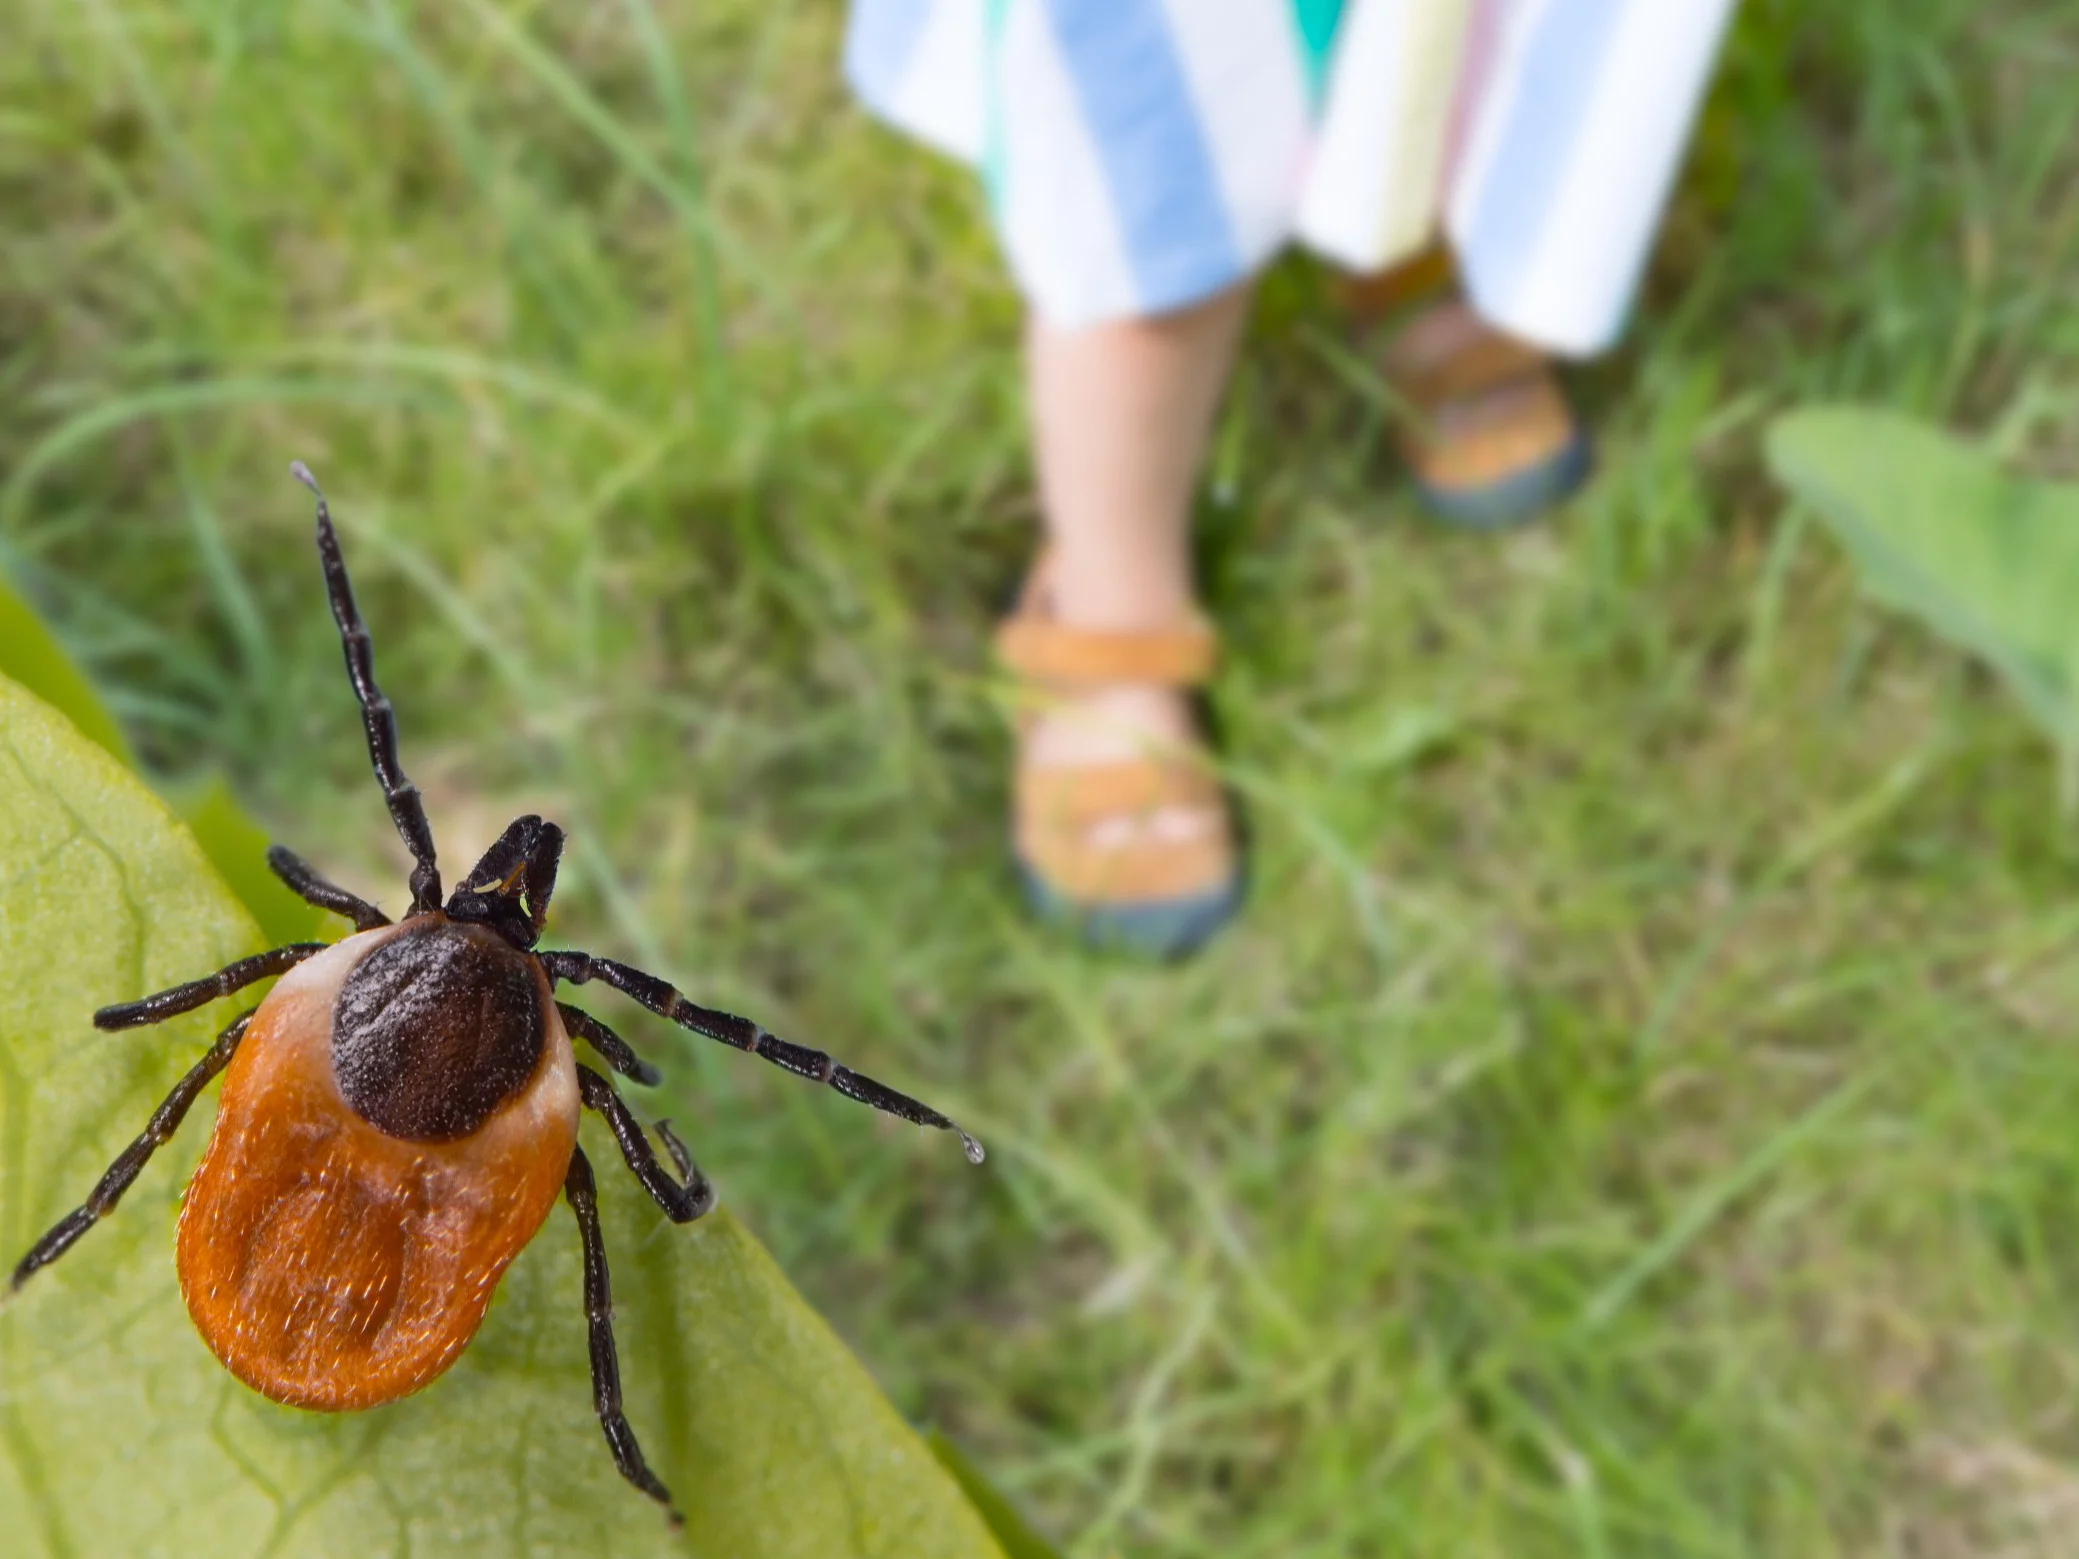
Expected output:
{"points": [[303, 881], [198, 993], [684, 1199], [583, 1194], [164, 1123]]}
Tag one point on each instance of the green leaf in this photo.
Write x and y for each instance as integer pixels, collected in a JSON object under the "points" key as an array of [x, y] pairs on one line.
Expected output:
{"points": [[119, 1433], [237, 848], [1019, 1540], [32, 656], [1988, 559]]}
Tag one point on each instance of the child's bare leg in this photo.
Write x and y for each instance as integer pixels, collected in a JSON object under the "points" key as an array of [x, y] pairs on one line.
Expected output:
{"points": [[1122, 413]]}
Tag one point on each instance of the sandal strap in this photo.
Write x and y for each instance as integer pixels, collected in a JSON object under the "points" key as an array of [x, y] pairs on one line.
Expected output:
{"points": [[1045, 651], [1072, 797], [1417, 279], [1056, 808], [1513, 428], [1134, 874], [1484, 360]]}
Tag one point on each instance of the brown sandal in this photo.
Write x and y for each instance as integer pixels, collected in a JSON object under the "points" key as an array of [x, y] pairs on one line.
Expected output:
{"points": [[1495, 441], [1161, 896]]}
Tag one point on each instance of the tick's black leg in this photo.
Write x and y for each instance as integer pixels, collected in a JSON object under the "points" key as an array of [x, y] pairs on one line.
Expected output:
{"points": [[164, 1123], [407, 811], [661, 999], [583, 1194], [615, 1051], [306, 884], [681, 1203], [186, 998]]}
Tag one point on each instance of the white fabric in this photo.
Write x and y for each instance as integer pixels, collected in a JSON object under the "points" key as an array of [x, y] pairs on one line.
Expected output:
{"points": [[1064, 247], [939, 98], [1142, 154], [1235, 54], [1567, 282], [1373, 195]]}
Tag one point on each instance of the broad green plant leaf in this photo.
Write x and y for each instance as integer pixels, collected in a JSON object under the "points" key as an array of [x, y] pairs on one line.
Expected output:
{"points": [[1988, 559], [1009, 1528], [237, 848], [31, 654], [120, 1434]]}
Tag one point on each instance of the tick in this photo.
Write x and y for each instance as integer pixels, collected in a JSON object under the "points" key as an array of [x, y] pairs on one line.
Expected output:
{"points": [[400, 1112]]}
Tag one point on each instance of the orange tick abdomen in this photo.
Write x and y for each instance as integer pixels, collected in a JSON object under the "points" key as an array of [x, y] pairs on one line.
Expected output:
{"points": [[328, 1264]]}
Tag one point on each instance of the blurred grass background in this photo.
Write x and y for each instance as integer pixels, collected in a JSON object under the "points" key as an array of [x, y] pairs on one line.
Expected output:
{"points": [[1637, 1115]]}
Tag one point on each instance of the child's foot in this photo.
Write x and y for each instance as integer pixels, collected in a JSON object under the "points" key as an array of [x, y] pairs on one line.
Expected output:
{"points": [[1495, 442], [1119, 825]]}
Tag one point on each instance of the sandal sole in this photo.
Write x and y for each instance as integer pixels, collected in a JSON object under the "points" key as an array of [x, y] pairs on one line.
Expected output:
{"points": [[1514, 500], [1155, 928]]}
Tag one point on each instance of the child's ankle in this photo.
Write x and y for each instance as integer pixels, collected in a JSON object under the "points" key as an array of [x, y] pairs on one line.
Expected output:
{"points": [[1121, 593]]}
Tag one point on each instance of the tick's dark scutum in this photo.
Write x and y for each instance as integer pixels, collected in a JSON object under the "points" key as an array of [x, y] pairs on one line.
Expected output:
{"points": [[435, 1029]]}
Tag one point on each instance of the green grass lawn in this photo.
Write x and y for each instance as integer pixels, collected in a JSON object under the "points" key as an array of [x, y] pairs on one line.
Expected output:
{"points": [[1639, 1114]]}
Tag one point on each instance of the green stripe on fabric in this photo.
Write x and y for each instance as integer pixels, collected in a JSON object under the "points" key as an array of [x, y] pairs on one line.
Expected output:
{"points": [[994, 155], [1316, 21]]}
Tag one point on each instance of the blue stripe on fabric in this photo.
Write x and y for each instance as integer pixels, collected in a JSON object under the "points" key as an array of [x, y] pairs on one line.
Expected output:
{"points": [[879, 43], [1144, 126], [1552, 95]]}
